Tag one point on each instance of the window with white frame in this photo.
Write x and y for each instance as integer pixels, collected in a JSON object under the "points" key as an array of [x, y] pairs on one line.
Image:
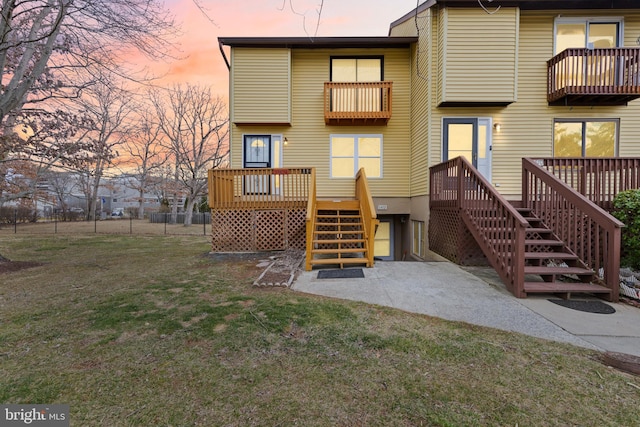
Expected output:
{"points": [[585, 138], [417, 246], [349, 153]]}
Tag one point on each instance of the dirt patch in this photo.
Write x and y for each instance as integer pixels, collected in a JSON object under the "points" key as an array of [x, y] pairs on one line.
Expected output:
{"points": [[7, 266], [282, 270]]}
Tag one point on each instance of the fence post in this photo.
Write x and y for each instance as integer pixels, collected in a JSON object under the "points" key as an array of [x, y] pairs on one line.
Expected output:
{"points": [[204, 224], [15, 221], [55, 223], [165, 223], [130, 224], [95, 223]]}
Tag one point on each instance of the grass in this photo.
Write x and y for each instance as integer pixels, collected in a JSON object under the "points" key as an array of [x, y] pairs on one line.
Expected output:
{"points": [[150, 330]]}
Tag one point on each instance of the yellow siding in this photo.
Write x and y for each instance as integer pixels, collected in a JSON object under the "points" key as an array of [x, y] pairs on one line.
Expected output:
{"points": [[527, 125], [308, 136], [260, 85], [479, 55], [421, 66]]}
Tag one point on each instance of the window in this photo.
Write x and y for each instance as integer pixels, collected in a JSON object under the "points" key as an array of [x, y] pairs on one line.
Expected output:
{"points": [[360, 69], [581, 138], [592, 33], [349, 153], [417, 247]]}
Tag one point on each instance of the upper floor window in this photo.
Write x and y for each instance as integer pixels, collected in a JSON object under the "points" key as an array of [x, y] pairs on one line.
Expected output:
{"points": [[592, 33], [585, 138], [359, 69]]}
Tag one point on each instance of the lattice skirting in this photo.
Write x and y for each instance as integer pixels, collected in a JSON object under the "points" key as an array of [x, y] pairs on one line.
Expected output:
{"points": [[449, 237], [244, 230]]}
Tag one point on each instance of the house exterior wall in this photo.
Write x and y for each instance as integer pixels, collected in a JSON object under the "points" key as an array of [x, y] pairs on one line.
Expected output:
{"points": [[527, 123], [260, 85], [479, 55], [308, 137]]}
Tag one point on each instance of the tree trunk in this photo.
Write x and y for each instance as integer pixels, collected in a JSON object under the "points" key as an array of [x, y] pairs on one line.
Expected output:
{"points": [[141, 203], [188, 214]]}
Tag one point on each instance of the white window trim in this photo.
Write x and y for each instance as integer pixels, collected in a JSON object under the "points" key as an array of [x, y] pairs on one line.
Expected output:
{"points": [[596, 19], [355, 136]]}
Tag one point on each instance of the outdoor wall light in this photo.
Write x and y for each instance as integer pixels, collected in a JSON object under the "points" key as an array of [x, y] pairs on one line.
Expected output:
{"points": [[286, 141], [497, 127]]}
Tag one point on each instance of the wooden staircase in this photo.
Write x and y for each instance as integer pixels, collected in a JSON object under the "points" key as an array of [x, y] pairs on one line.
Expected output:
{"points": [[339, 234], [549, 258]]}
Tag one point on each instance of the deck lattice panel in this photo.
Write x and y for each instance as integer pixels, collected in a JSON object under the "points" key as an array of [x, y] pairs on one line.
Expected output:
{"points": [[246, 230]]}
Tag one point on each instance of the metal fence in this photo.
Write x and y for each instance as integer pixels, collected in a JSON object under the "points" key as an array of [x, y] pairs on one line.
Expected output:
{"points": [[159, 225]]}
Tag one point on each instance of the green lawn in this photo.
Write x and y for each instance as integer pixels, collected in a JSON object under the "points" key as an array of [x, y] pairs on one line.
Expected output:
{"points": [[151, 331]]}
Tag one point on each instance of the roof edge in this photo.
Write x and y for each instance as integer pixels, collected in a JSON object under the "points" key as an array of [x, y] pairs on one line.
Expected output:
{"points": [[318, 42]]}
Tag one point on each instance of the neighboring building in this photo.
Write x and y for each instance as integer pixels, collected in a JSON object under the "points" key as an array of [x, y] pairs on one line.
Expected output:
{"points": [[537, 79]]}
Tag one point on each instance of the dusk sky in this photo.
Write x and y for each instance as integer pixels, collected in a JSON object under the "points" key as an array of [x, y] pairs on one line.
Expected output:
{"points": [[203, 64]]}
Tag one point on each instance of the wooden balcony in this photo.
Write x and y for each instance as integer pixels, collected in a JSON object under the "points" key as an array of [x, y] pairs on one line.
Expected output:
{"points": [[357, 103], [594, 77], [260, 188]]}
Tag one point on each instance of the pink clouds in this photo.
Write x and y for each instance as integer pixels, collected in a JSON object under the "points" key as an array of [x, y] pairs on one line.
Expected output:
{"points": [[200, 60]]}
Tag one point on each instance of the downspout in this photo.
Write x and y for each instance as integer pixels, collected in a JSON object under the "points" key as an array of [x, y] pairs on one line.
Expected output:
{"points": [[224, 56]]}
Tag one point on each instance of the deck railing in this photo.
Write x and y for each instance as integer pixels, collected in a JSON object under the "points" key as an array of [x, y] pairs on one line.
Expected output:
{"points": [[599, 179], [495, 224], [262, 188], [357, 102], [588, 230], [310, 220], [580, 71], [368, 211]]}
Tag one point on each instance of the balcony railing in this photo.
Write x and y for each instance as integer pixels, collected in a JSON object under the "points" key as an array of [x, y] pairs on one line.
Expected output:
{"points": [[285, 188], [357, 103], [594, 76], [599, 179]]}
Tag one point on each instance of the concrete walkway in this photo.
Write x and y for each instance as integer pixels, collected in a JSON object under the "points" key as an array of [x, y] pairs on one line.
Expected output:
{"points": [[477, 296]]}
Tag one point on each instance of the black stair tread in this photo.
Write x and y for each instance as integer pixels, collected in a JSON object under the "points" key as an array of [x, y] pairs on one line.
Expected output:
{"points": [[544, 270], [549, 255], [335, 251], [551, 287]]}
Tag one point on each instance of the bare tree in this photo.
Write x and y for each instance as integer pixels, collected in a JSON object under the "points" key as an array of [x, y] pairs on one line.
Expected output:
{"points": [[195, 124], [109, 107], [147, 154], [54, 48]]}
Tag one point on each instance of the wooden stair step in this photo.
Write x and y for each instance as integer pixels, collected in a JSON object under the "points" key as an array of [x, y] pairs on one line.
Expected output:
{"points": [[538, 230], [332, 232], [564, 287], [543, 271], [544, 242], [318, 261], [334, 251], [333, 224], [353, 205], [336, 241], [549, 255], [339, 216]]}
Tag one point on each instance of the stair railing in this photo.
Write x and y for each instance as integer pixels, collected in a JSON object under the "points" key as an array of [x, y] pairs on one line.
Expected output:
{"points": [[494, 223], [368, 212], [311, 217], [587, 229]]}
